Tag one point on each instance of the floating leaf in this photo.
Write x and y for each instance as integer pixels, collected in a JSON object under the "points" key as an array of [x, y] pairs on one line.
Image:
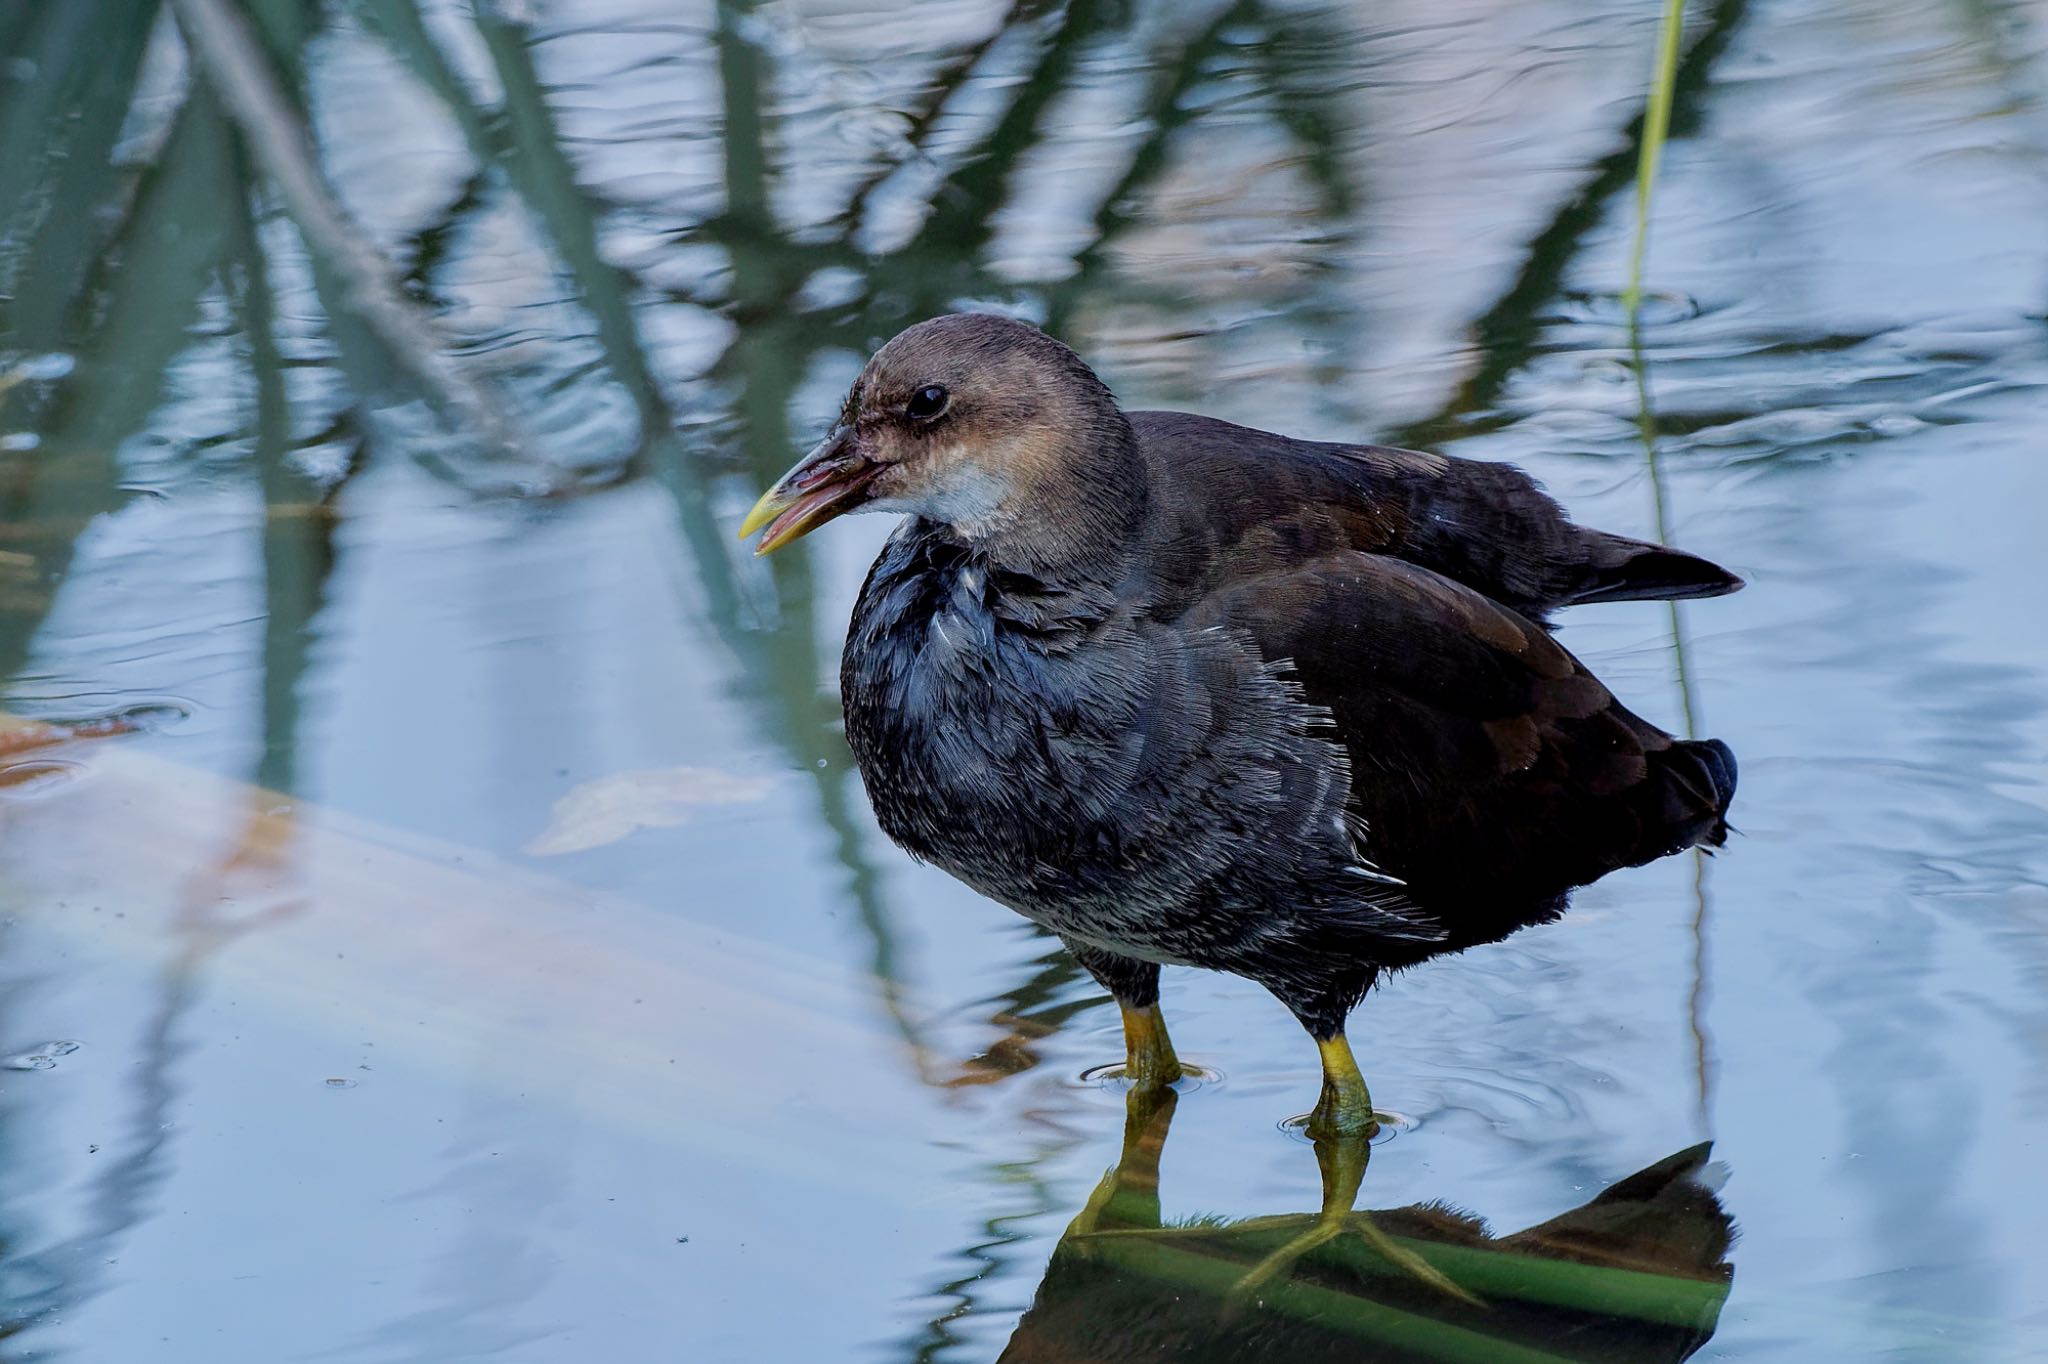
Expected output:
{"points": [[43, 1057], [607, 809]]}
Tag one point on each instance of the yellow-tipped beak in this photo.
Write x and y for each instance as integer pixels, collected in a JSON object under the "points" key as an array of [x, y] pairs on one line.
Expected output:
{"points": [[772, 502], [830, 481]]}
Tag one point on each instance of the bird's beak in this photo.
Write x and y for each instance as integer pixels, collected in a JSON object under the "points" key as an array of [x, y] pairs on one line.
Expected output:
{"points": [[830, 481]]}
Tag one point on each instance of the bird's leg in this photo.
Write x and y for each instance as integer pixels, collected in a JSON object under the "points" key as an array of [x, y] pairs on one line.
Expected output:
{"points": [[1149, 1062], [1128, 1196], [1345, 1108], [1343, 1160]]}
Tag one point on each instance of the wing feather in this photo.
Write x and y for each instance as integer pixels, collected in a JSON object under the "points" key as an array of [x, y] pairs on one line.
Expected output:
{"points": [[1487, 763]]}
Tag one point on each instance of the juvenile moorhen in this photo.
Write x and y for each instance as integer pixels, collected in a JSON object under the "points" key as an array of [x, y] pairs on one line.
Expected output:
{"points": [[1188, 693]]}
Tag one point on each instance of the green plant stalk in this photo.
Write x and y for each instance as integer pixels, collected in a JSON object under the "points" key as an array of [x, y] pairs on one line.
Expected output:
{"points": [[1656, 127]]}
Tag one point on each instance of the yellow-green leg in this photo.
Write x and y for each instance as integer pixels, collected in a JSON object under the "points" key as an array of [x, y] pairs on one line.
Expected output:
{"points": [[1345, 1108], [1149, 1061], [1128, 1196], [1343, 1160]]}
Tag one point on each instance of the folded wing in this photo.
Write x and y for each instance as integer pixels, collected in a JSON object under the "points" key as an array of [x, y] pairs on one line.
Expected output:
{"points": [[1258, 501], [1489, 767]]}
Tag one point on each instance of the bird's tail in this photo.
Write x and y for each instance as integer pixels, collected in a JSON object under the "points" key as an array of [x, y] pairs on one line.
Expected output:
{"points": [[1620, 569], [1699, 782]]}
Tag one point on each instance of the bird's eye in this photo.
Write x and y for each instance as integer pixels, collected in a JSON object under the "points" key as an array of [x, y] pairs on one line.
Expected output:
{"points": [[926, 403]]}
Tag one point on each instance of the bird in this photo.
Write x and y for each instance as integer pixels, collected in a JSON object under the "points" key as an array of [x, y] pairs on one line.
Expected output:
{"points": [[1188, 693]]}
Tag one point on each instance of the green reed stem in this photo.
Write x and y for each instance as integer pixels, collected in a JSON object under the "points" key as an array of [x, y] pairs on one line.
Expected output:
{"points": [[1656, 127]]}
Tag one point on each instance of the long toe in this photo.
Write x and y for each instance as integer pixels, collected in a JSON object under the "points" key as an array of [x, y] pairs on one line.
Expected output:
{"points": [[1248, 1290]]}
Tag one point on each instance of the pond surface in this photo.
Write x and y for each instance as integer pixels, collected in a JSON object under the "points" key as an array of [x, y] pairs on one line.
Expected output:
{"points": [[476, 943]]}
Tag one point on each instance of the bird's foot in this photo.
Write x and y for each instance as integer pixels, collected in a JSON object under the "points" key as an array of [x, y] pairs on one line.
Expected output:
{"points": [[1403, 1258], [1249, 1289], [1343, 1160]]}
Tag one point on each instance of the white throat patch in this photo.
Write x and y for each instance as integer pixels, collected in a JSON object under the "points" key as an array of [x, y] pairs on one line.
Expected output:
{"points": [[963, 494]]}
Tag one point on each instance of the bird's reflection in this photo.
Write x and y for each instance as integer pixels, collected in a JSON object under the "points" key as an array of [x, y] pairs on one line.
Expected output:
{"points": [[1639, 1273]]}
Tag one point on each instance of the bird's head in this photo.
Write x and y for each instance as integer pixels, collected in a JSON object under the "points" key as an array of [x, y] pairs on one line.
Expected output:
{"points": [[983, 424]]}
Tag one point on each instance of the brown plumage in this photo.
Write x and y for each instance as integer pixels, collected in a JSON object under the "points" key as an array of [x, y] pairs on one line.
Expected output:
{"points": [[1190, 693]]}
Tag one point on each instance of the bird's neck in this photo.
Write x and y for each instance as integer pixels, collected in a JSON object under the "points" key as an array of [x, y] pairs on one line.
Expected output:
{"points": [[1081, 526]]}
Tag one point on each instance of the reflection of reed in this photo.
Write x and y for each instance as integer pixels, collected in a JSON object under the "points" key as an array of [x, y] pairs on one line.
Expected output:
{"points": [[271, 127], [87, 57], [298, 557], [986, 1261], [298, 550], [73, 1271], [1029, 1011], [1166, 110], [1698, 996], [167, 237], [1506, 334]]}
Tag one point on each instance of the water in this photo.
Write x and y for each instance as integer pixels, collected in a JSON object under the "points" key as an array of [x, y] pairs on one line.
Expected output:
{"points": [[480, 774]]}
